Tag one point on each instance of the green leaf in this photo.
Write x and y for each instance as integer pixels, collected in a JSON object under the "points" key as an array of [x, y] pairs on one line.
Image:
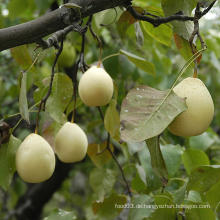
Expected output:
{"points": [[22, 56], [21, 8], [43, 5], [139, 34], [139, 182], [137, 210], [194, 196], [172, 157], [110, 207], [183, 46], [204, 141], [59, 214], [60, 97], [153, 181], [23, 104], [203, 178], [140, 62], [112, 120], [200, 213], [134, 147], [102, 182], [193, 158], [162, 34], [164, 201], [170, 7], [7, 161], [107, 17], [213, 196], [124, 22], [177, 187], [11, 151], [157, 160], [146, 112]]}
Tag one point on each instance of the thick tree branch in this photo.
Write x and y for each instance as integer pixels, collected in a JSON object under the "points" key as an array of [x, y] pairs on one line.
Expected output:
{"points": [[156, 20], [34, 31], [30, 205], [51, 22]]}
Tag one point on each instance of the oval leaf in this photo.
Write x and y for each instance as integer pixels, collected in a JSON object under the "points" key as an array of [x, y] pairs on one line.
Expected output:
{"points": [[146, 112], [193, 158], [203, 178], [112, 120], [139, 62]]}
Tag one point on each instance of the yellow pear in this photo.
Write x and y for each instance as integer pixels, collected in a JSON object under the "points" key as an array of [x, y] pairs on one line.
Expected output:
{"points": [[35, 159], [71, 143], [197, 118], [96, 87]]}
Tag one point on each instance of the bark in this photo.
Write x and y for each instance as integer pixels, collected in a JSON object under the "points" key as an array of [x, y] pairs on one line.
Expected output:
{"points": [[30, 205], [33, 31]]}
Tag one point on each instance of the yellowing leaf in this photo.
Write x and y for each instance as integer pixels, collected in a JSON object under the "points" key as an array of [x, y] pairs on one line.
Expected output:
{"points": [[22, 56], [98, 155]]}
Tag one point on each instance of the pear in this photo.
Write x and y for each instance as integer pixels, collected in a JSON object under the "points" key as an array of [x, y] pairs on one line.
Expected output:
{"points": [[96, 87], [199, 114], [35, 159], [71, 143]]}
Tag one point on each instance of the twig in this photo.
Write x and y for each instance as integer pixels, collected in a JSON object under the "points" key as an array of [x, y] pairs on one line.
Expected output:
{"points": [[98, 40], [75, 71], [182, 214], [196, 32], [44, 100], [57, 36], [82, 65], [158, 20], [114, 157]]}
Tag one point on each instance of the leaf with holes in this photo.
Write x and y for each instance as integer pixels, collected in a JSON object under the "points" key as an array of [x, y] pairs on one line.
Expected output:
{"points": [[146, 112]]}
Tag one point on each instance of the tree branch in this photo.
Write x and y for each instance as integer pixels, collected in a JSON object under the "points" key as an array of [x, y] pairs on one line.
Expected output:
{"points": [[158, 20], [33, 31]]}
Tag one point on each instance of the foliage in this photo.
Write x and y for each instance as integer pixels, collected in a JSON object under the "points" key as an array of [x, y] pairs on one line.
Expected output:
{"points": [[165, 174]]}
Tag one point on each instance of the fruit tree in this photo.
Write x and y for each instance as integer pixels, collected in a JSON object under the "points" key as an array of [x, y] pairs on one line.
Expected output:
{"points": [[109, 109]]}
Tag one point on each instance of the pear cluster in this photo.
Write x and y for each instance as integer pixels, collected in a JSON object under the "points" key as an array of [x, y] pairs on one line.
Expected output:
{"points": [[200, 108], [35, 158]]}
